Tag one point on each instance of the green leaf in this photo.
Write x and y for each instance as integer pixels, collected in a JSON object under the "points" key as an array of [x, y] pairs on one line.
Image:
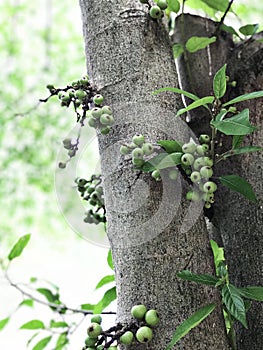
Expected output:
{"points": [[173, 5], [249, 29], [153, 163], [27, 302], [245, 97], [219, 83], [106, 300], [59, 324], [105, 280], [177, 91], [240, 185], [239, 124], [62, 341], [4, 322], [88, 307], [198, 278], [19, 247], [178, 49], [170, 160], [48, 294], [34, 324], [109, 260], [234, 303], [42, 343], [219, 5], [218, 254], [170, 146], [190, 323], [237, 140], [228, 29], [198, 103], [241, 150], [196, 43], [253, 293]]}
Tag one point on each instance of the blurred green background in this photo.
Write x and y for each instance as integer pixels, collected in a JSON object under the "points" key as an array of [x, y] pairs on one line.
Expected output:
{"points": [[41, 43]]}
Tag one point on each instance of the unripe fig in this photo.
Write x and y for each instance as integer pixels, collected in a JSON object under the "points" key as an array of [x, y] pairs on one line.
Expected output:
{"points": [[107, 119], [204, 138], [206, 172], [144, 334], [189, 147], [80, 94], [96, 112], [106, 110], [67, 143], [155, 12], [98, 99], [137, 153], [65, 97], [208, 197], [84, 80], [62, 165], [90, 342], [124, 150], [71, 92], [96, 318], [92, 122], [207, 205], [147, 148], [208, 161], [72, 152], [138, 140], [105, 131], [205, 147], [200, 150], [198, 163], [126, 338], [195, 176], [187, 159], [193, 196], [94, 330], [138, 311], [152, 317], [162, 4], [138, 162], [210, 187]]}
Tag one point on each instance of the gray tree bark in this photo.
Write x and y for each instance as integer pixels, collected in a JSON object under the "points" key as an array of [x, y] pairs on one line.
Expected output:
{"points": [[152, 231], [238, 223]]}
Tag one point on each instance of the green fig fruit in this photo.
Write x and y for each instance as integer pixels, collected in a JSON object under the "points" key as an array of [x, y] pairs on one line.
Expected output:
{"points": [[144, 334]]}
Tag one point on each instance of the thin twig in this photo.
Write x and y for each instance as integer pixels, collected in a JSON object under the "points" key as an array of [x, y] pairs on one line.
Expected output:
{"points": [[58, 307], [223, 17]]}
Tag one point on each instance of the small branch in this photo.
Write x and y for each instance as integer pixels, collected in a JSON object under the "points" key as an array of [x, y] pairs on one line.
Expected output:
{"points": [[58, 307], [28, 111], [223, 17]]}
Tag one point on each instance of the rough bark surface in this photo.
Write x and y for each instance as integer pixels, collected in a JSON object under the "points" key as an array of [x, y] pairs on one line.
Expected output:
{"points": [[240, 221], [237, 222], [153, 234]]}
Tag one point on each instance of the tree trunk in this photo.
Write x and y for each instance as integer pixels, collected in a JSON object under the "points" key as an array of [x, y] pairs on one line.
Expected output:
{"points": [[152, 232], [237, 222]]}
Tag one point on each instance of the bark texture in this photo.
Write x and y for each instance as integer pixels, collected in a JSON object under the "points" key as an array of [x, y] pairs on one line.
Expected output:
{"points": [[238, 223], [152, 232]]}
